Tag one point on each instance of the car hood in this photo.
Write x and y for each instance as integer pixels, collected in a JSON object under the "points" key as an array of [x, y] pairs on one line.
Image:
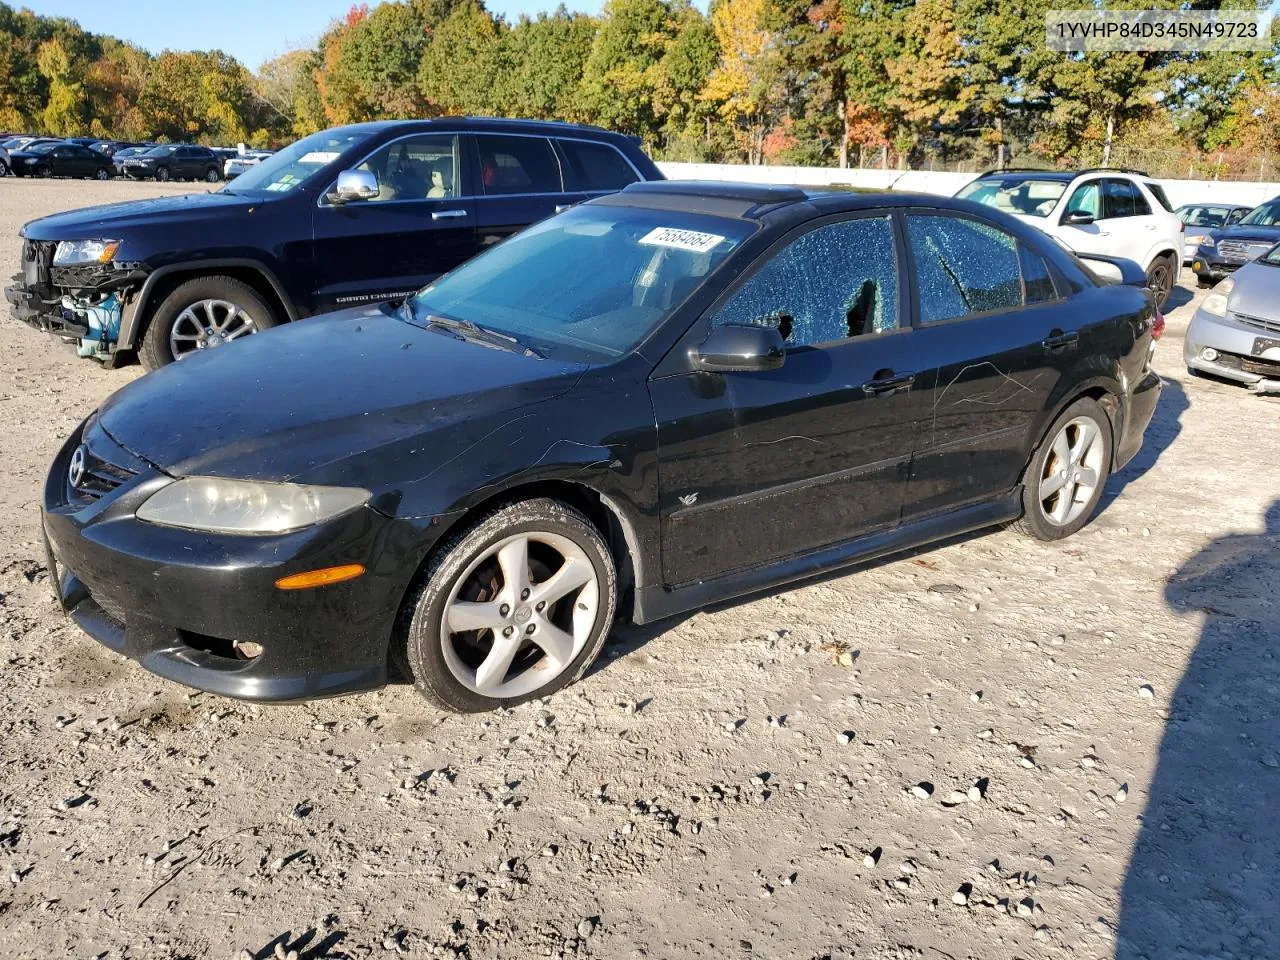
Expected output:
{"points": [[96, 222], [1256, 292], [285, 403], [1246, 232]]}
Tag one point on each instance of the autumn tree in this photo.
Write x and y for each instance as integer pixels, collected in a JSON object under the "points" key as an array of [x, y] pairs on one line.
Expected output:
{"points": [[622, 82], [742, 84]]}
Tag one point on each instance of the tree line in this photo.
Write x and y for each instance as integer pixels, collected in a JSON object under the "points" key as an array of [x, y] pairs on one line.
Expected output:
{"points": [[816, 82]]}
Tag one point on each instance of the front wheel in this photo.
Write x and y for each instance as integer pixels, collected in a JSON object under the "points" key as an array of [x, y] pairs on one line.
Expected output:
{"points": [[1064, 480], [512, 609], [43, 172], [1160, 279], [206, 313], [102, 173], [162, 174], [4, 169]]}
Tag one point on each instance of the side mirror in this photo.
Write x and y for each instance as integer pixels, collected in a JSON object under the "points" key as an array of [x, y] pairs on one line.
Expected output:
{"points": [[740, 348], [1078, 218], [354, 185]]}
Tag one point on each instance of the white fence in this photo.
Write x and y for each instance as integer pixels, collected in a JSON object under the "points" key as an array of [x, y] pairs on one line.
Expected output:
{"points": [[925, 181]]}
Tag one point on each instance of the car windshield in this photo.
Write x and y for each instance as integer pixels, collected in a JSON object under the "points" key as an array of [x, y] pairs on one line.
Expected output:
{"points": [[286, 169], [589, 284], [1203, 216], [161, 151], [43, 147], [131, 151], [14, 143], [1266, 215], [1028, 196], [1272, 257]]}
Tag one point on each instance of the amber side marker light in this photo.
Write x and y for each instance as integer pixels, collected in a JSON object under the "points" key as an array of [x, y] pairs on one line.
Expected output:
{"points": [[320, 578]]}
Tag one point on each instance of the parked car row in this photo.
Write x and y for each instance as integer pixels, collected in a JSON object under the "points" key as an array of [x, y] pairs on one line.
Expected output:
{"points": [[90, 157]]}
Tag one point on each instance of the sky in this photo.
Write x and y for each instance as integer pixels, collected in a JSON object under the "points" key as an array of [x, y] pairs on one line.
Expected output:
{"points": [[250, 30]]}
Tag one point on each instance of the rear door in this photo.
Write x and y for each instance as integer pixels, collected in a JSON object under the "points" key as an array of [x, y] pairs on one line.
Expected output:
{"points": [[421, 224], [994, 337], [755, 467], [593, 168], [520, 182], [1135, 229]]}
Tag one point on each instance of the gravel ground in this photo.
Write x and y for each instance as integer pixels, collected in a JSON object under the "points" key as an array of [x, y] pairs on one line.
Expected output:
{"points": [[997, 748]]}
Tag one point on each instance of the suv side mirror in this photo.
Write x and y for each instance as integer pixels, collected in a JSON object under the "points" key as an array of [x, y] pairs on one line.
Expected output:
{"points": [[740, 348], [354, 185], [1078, 218]]}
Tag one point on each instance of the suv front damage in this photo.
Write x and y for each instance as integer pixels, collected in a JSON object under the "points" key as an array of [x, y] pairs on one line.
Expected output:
{"points": [[75, 290]]}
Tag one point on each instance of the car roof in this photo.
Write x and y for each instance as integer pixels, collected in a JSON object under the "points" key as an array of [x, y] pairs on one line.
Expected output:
{"points": [[760, 201], [549, 127]]}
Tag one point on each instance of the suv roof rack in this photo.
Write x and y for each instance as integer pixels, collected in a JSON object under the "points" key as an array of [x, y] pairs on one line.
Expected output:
{"points": [[996, 170], [1140, 173]]}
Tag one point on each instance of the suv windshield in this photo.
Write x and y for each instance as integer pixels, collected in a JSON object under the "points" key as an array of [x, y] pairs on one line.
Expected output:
{"points": [[1028, 196], [43, 147], [161, 151], [538, 288], [1266, 215], [289, 167]]}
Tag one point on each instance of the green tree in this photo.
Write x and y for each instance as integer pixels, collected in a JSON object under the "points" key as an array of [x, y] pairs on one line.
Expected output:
{"points": [[65, 109], [743, 83], [543, 60], [461, 62], [623, 82]]}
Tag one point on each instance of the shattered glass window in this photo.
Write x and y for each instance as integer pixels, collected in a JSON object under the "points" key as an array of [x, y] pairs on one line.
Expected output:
{"points": [[963, 267], [834, 282], [1036, 282]]}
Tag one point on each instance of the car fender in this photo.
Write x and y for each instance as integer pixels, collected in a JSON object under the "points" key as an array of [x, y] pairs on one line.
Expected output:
{"points": [[1160, 246], [1092, 375], [138, 308]]}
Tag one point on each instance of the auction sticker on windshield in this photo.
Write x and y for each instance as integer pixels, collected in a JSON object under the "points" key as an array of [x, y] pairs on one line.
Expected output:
{"points": [[319, 156], [681, 239]]}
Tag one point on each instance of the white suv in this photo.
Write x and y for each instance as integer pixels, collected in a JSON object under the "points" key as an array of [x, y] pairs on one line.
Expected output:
{"points": [[1110, 211]]}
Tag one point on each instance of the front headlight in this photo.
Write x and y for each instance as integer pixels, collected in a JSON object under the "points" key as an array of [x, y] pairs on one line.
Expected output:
{"points": [[1215, 304], [243, 506], [1195, 238], [71, 253]]}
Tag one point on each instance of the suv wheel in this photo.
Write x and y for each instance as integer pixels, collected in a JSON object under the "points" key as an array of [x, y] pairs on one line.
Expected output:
{"points": [[162, 174], [1064, 481], [203, 314], [102, 173], [1160, 278], [512, 609], [4, 169], [211, 175], [43, 171]]}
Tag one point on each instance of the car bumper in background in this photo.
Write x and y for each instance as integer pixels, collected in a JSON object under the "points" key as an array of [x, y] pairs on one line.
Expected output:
{"points": [[1211, 269], [1229, 348], [184, 604]]}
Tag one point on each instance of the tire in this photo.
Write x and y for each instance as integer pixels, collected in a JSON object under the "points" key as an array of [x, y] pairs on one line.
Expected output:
{"points": [[157, 348], [43, 172], [102, 173], [1063, 518], [468, 564], [1161, 278], [4, 169], [211, 175], [162, 174]]}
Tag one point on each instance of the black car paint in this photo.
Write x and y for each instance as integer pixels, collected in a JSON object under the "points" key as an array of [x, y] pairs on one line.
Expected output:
{"points": [[64, 160], [712, 484], [304, 255]]}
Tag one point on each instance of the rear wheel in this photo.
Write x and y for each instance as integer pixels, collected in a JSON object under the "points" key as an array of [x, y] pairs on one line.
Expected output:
{"points": [[43, 171], [203, 314], [512, 609], [211, 175], [162, 174], [1160, 278], [102, 173], [4, 169], [1064, 481]]}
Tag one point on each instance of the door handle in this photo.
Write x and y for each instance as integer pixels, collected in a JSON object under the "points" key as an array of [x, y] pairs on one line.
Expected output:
{"points": [[447, 214], [562, 207], [1104, 233], [890, 383], [1059, 341]]}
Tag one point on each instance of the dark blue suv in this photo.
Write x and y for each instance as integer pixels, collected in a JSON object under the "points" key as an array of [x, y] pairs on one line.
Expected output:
{"points": [[347, 216]]}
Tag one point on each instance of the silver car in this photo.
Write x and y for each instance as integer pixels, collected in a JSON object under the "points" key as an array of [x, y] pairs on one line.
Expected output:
{"points": [[1236, 332]]}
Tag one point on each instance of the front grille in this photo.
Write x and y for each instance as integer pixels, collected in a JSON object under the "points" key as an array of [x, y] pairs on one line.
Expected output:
{"points": [[1242, 251], [1263, 368], [100, 478], [1271, 326]]}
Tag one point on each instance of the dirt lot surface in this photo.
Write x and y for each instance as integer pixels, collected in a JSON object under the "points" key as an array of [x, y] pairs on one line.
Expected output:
{"points": [[1091, 726]]}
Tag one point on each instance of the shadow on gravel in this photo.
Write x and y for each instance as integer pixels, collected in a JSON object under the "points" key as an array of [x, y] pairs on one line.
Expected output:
{"points": [[1165, 426], [1204, 875], [1178, 296]]}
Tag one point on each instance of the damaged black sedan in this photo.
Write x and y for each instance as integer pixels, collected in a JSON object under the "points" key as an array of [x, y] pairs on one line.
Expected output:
{"points": [[663, 398]]}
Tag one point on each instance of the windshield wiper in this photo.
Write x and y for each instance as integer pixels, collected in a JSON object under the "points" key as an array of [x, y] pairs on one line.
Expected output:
{"points": [[470, 330]]}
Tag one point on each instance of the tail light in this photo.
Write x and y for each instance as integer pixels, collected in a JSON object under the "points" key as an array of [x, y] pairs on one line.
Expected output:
{"points": [[1157, 325]]}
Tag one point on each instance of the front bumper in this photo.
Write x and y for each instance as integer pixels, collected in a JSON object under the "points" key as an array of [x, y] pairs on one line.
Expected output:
{"points": [[36, 294], [1245, 353], [1210, 268], [181, 602]]}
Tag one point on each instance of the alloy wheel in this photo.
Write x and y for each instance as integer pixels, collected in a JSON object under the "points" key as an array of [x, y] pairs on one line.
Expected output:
{"points": [[1072, 471], [520, 614], [1160, 280], [207, 324]]}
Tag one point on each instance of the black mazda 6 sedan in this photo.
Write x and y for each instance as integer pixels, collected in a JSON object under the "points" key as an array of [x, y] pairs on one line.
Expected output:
{"points": [[662, 398]]}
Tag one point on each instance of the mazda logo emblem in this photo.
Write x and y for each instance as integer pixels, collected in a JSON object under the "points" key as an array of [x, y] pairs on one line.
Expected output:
{"points": [[76, 471]]}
